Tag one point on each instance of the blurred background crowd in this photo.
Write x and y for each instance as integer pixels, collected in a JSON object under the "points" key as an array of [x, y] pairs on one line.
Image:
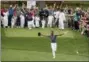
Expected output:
{"points": [[52, 16]]}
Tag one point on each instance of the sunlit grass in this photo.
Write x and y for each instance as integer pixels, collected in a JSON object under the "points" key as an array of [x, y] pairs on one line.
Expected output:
{"points": [[25, 45]]}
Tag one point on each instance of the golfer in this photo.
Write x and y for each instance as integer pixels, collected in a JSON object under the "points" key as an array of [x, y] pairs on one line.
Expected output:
{"points": [[53, 41]]}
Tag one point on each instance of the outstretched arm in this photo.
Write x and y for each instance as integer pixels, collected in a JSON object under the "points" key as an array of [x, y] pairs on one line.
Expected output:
{"points": [[44, 35], [60, 34], [40, 34]]}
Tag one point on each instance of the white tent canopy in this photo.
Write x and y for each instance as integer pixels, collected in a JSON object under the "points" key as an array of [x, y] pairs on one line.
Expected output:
{"points": [[31, 3]]}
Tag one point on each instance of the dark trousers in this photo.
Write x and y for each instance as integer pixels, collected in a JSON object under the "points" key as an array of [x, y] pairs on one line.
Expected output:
{"points": [[69, 23], [9, 20], [76, 25], [46, 21], [18, 21], [25, 25], [1, 24], [55, 22], [40, 21], [87, 33]]}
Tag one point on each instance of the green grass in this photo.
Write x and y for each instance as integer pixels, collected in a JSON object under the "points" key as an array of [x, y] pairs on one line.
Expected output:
{"points": [[25, 45]]}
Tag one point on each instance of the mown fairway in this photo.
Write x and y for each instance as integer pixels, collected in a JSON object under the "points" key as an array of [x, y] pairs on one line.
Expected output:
{"points": [[24, 45]]}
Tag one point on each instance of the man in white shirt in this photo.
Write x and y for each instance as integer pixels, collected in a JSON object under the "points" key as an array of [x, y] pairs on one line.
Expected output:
{"points": [[56, 15], [43, 23], [5, 18], [37, 19], [50, 20], [22, 20], [61, 19]]}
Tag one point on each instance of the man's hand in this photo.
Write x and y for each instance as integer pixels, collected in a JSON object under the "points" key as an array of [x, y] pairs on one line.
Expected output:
{"points": [[39, 34]]}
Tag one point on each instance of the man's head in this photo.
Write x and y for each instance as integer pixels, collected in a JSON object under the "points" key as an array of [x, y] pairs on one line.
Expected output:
{"points": [[39, 34], [52, 32]]}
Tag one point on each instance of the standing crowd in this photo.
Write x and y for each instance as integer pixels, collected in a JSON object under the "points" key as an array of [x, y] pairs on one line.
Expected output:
{"points": [[21, 17]]}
